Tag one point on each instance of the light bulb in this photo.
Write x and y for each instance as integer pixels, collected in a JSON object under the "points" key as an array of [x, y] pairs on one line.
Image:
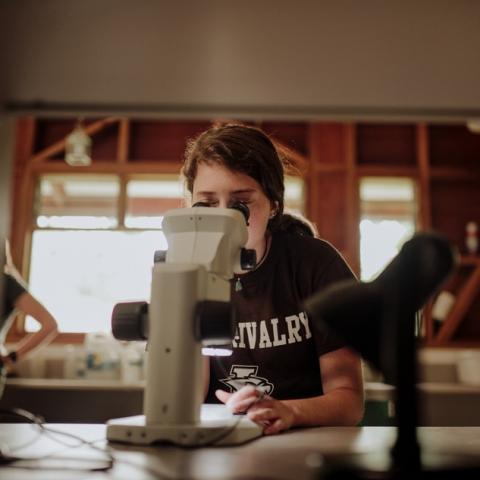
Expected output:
{"points": [[473, 125], [78, 147]]}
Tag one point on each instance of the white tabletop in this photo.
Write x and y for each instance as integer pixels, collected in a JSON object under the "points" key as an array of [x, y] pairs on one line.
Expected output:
{"points": [[291, 455]]}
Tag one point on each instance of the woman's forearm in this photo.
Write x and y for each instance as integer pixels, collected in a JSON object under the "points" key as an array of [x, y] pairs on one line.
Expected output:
{"points": [[33, 341], [48, 331], [340, 407]]}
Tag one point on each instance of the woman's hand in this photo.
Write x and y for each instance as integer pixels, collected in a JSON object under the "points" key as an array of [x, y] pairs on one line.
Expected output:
{"points": [[6, 362], [273, 415]]}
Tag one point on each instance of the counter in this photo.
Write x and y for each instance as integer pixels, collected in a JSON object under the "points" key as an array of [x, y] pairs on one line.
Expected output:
{"points": [[95, 401]]}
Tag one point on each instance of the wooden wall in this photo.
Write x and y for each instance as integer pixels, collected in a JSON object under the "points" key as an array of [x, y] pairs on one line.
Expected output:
{"points": [[443, 160]]}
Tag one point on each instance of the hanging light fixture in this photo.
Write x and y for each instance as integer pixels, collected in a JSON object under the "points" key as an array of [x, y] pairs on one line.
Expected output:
{"points": [[78, 146]]}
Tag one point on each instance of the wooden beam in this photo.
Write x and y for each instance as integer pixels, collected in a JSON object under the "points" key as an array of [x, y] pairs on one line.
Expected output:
{"points": [[353, 199], [123, 141], [387, 171], [424, 214], [465, 298], [59, 146], [24, 144], [141, 168], [334, 186], [329, 167], [122, 201]]}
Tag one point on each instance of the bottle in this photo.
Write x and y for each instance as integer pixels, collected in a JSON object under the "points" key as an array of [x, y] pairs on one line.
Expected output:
{"points": [[441, 308], [69, 362], [471, 238], [74, 363], [102, 356]]}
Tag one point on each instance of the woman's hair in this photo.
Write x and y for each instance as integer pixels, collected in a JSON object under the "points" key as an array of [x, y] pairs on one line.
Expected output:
{"points": [[246, 150], [295, 223]]}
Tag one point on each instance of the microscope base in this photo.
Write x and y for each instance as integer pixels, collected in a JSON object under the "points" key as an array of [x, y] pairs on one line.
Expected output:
{"points": [[216, 427]]}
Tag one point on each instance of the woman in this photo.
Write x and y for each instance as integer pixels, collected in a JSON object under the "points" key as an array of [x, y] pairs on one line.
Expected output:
{"points": [[282, 372], [18, 298]]}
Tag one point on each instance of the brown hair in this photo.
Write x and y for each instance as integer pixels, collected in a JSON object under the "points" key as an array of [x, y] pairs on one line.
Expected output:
{"points": [[296, 223], [243, 149]]}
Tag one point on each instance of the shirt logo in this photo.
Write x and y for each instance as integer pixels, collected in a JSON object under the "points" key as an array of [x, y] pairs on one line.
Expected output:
{"points": [[243, 375], [272, 333]]}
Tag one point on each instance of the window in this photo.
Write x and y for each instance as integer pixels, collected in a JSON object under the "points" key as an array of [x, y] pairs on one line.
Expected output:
{"points": [[86, 256], [89, 253], [295, 194], [387, 220], [147, 200]]}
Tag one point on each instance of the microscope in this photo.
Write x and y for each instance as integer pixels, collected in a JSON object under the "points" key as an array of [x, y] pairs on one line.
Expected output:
{"points": [[189, 309]]}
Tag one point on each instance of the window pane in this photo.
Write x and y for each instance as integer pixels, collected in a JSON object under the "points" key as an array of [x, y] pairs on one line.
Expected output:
{"points": [[295, 194], [81, 275], [148, 200], [77, 201], [387, 220]]}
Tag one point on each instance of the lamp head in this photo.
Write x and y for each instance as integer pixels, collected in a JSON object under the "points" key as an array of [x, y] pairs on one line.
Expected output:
{"points": [[362, 313]]}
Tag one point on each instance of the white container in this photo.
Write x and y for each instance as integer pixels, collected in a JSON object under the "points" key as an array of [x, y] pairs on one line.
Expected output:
{"points": [[132, 362], [468, 367], [102, 356], [443, 305], [74, 364]]}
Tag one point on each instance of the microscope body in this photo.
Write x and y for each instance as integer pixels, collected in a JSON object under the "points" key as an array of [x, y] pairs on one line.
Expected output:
{"points": [[189, 309], [204, 248]]}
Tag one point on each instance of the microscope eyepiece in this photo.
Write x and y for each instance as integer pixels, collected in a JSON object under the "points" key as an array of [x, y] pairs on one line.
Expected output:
{"points": [[241, 207]]}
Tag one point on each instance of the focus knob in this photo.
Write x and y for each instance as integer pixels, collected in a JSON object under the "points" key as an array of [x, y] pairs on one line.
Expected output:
{"points": [[130, 321]]}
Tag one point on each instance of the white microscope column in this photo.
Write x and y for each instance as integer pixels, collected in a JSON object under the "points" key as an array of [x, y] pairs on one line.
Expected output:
{"points": [[174, 389]]}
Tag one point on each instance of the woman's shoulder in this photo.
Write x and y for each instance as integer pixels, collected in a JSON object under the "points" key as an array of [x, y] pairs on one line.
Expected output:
{"points": [[314, 254], [303, 245]]}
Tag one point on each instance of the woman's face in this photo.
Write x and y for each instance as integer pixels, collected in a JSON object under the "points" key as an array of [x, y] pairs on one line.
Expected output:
{"points": [[220, 187]]}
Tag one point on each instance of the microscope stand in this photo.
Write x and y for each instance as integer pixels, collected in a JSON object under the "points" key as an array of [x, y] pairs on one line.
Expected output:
{"points": [[217, 426]]}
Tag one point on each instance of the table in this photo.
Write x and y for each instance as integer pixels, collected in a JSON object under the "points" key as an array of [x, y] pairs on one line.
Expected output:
{"points": [[292, 455]]}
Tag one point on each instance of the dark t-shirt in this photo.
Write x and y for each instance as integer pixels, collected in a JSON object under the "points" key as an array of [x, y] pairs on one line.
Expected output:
{"points": [[275, 347]]}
